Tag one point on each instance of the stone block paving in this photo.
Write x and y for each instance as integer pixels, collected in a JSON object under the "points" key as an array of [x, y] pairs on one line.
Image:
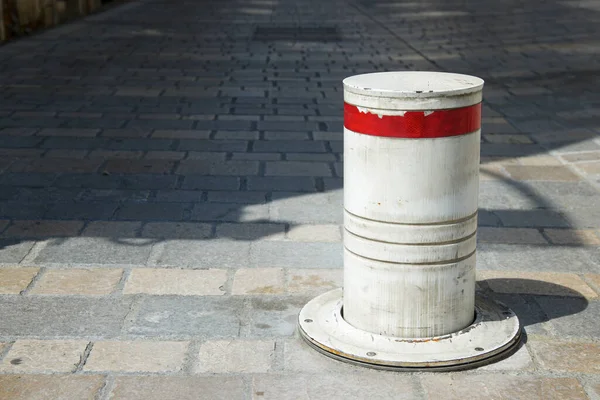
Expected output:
{"points": [[171, 178]]}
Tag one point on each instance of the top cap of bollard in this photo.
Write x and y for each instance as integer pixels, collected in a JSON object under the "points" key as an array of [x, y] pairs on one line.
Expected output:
{"points": [[413, 90]]}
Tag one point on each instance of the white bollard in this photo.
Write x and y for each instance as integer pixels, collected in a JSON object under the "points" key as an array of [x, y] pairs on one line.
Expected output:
{"points": [[411, 182]]}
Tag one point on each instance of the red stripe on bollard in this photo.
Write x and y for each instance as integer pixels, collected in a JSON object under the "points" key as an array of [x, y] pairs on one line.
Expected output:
{"points": [[414, 124]]}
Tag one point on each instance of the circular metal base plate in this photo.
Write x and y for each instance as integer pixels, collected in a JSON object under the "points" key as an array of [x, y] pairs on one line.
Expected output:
{"points": [[493, 335]]}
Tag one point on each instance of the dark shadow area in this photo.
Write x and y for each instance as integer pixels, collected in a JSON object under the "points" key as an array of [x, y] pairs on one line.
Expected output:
{"points": [[538, 304], [207, 120]]}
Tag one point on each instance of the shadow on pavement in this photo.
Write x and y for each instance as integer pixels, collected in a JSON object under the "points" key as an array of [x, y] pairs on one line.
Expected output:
{"points": [[146, 126]]}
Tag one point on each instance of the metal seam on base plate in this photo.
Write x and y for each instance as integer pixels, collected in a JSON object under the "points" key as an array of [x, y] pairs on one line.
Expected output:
{"points": [[494, 335]]}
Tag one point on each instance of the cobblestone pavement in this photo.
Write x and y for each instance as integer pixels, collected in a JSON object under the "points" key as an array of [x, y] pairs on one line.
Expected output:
{"points": [[170, 194]]}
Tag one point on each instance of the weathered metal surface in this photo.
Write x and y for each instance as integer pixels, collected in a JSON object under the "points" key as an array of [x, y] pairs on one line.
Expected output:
{"points": [[492, 334], [411, 182]]}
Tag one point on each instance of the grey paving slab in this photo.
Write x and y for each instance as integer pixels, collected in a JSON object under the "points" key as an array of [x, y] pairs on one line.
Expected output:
{"points": [[206, 317], [295, 255], [212, 253], [61, 316], [536, 258], [272, 316], [13, 251], [572, 317], [95, 251]]}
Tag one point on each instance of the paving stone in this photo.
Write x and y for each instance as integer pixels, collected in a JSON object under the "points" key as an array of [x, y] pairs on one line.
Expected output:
{"points": [[566, 356], [230, 212], [326, 386], [55, 165], [98, 281], [287, 135], [534, 218], [13, 251], [95, 250], [578, 237], [287, 146], [310, 157], [511, 139], [501, 387], [139, 166], [15, 280], [295, 255], [295, 168], [231, 168], [236, 356], [115, 155], [189, 316], [256, 156], [196, 182], [583, 156], [27, 356], [571, 317], [273, 316], [119, 229], [299, 357], [534, 258], [81, 210], [251, 231], [591, 168], [594, 279], [178, 387], [152, 211], [315, 233], [66, 153], [540, 160], [510, 236], [181, 282], [258, 281], [41, 229], [137, 356], [55, 387], [537, 283], [243, 135], [236, 197], [165, 155], [294, 211], [210, 156], [61, 316], [207, 145], [541, 173], [521, 360], [583, 217], [216, 253], [177, 230], [280, 183], [313, 281]]}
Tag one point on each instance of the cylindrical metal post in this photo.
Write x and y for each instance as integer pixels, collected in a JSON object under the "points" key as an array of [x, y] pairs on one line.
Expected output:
{"points": [[411, 162]]}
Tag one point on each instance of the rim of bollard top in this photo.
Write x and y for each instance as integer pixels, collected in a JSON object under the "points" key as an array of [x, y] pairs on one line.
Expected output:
{"points": [[413, 90]]}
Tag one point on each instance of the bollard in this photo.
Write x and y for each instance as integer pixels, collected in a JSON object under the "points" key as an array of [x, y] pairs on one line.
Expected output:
{"points": [[411, 182]]}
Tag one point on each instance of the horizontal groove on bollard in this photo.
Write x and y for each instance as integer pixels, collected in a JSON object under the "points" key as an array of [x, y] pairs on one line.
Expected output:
{"points": [[413, 263], [449, 222], [462, 239]]}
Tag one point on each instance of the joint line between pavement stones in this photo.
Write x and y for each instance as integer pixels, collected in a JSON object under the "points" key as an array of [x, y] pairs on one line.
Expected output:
{"points": [[84, 357], [5, 351], [34, 281], [107, 388], [34, 252]]}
